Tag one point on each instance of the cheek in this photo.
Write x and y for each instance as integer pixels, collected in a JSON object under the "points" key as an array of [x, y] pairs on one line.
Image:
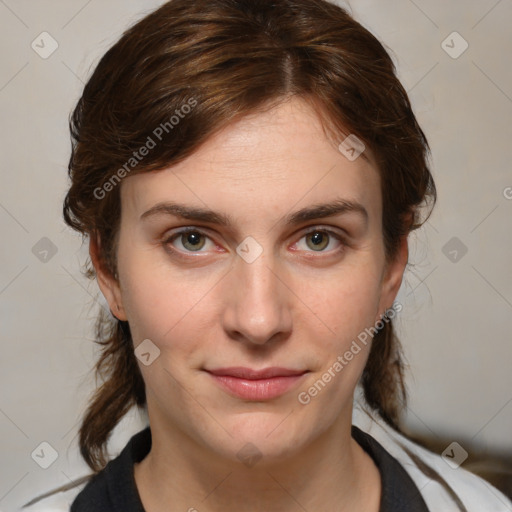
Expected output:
{"points": [[345, 303], [163, 303], [348, 307]]}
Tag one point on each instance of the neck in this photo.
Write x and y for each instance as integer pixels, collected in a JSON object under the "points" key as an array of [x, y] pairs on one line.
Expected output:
{"points": [[331, 473]]}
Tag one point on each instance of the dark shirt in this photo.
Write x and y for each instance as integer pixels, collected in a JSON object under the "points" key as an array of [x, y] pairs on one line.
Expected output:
{"points": [[113, 489]]}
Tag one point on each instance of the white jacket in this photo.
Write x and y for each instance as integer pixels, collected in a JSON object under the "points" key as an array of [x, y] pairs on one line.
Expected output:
{"points": [[475, 493]]}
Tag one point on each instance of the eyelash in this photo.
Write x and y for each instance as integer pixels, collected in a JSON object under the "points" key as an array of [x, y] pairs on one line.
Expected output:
{"points": [[167, 242]]}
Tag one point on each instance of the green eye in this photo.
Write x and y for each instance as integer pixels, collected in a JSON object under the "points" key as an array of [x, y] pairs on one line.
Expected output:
{"points": [[191, 240], [319, 240], [316, 240]]}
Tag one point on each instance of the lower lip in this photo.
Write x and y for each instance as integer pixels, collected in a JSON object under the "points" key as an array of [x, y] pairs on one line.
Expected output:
{"points": [[257, 390]]}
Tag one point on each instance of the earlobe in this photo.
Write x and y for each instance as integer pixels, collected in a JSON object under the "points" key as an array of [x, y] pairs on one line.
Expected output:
{"points": [[107, 283]]}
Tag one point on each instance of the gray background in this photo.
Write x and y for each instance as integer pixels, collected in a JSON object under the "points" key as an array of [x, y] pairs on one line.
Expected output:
{"points": [[456, 322]]}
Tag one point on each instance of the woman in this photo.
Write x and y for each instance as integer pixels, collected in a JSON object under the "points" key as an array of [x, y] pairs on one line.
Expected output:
{"points": [[247, 173]]}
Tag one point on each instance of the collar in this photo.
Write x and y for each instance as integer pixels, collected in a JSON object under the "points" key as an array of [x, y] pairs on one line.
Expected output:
{"points": [[116, 483]]}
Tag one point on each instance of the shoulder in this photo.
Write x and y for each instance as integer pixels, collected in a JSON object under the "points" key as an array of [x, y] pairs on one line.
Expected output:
{"points": [[443, 487], [54, 501], [95, 493], [99, 491], [91, 490]]}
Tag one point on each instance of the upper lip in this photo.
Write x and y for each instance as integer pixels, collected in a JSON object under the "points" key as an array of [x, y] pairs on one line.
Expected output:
{"points": [[242, 372]]}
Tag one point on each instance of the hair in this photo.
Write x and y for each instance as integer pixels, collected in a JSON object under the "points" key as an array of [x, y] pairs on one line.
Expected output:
{"points": [[184, 72]]}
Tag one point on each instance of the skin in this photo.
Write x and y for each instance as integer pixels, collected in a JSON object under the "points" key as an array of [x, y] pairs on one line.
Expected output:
{"points": [[296, 306]]}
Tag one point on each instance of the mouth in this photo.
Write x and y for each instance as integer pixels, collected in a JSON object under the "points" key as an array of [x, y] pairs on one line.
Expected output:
{"points": [[256, 385]]}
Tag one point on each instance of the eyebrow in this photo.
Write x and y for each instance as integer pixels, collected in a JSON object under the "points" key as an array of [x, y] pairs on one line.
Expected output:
{"points": [[313, 212]]}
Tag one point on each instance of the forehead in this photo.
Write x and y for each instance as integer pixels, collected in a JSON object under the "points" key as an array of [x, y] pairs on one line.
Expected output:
{"points": [[268, 162]]}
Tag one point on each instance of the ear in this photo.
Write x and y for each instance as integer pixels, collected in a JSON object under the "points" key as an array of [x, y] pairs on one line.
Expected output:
{"points": [[108, 283], [392, 276]]}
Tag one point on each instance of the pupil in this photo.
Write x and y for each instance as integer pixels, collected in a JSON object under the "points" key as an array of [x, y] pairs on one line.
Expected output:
{"points": [[317, 238], [192, 240], [191, 236]]}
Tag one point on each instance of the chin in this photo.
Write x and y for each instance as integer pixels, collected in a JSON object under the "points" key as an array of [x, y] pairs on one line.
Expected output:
{"points": [[261, 439]]}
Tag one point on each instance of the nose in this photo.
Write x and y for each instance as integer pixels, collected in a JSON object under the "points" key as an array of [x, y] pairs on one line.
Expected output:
{"points": [[258, 305]]}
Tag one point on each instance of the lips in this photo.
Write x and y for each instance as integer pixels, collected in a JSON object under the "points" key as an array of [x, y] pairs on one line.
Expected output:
{"points": [[256, 385], [250, 374]]}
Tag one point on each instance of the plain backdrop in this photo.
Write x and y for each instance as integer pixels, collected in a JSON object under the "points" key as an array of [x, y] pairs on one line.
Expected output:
{"points": [[456, 322]]}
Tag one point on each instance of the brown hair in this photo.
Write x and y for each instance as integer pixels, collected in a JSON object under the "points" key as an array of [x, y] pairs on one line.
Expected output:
{"points": [[226, 59]]}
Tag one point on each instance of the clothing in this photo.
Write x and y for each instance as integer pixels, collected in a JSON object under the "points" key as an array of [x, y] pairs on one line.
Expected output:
{"points": [[408, 473], [114, 489]]}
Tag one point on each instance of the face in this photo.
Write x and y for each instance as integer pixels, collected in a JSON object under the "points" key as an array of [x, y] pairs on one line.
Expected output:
{"points": [[268, 280]]}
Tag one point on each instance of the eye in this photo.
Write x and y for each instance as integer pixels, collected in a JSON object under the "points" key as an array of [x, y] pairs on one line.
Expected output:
{"points": [[319, 239], [191, 239]]}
